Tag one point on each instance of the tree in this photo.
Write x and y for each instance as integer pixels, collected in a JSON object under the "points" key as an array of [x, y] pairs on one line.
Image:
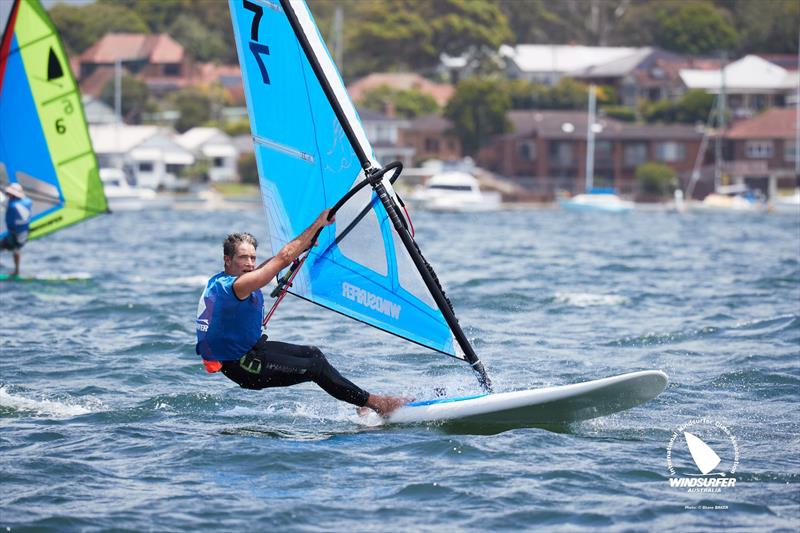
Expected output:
{"points": [[683, 26], [478, 111], [134, 97], [694, 106], [411, 34], [409, 103], [247, 168], [769, 27], [82, 26], [656, 179], [197, 39], [194, 107]]}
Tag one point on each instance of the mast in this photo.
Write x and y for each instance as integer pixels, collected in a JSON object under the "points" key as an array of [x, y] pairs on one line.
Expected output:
{"points": [[590, 138], [721, 104], [374, 175]]}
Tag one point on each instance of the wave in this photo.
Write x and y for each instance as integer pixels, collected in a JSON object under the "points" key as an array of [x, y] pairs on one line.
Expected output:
{"points": [[752, 329], [587, 299], [12, 403]]}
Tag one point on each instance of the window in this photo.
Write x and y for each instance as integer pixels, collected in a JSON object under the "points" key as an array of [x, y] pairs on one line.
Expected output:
{"points": [[172, 69], [145, 166], [603, 153], [431, 145], [789, 151], [670, 151], [634, 154], [758, 149], [219, 162], [527, 150], [561, 153]]}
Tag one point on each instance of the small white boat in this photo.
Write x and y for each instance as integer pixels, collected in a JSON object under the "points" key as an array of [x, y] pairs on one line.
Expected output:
{"points": [[122, 196], [597, 200], [455, 191], [731, 198], [789, 204]]}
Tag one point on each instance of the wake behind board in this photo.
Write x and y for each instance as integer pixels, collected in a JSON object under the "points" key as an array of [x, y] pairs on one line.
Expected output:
{"points": [[45, 278], [538, 407]]}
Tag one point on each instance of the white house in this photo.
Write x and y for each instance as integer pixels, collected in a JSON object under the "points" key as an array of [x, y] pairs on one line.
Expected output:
{"points": [[751, 84], [148, 154], [215, 146]]}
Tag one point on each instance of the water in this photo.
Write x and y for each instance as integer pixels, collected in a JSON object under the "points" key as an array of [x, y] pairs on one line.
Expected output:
{"points": [[109, 421]]}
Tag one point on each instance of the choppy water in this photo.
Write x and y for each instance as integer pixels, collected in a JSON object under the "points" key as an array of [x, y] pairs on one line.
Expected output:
{"points": [[108, 420]]}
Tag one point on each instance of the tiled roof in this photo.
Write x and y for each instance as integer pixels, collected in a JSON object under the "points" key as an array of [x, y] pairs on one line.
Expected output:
{"points": [[748, 74], [401, 81], [775, 123], [132, 47], [432, 123]]}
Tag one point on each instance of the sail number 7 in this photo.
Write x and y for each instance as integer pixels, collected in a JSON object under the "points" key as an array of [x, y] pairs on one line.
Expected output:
{"points": [[255, 47]]}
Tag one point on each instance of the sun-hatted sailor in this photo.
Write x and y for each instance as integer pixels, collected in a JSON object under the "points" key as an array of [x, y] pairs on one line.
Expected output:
{"points": [[18, 218], [229, 319]]}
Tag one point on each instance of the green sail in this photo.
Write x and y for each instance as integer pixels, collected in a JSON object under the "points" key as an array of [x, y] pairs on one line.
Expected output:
{"points": [[44, 140]]}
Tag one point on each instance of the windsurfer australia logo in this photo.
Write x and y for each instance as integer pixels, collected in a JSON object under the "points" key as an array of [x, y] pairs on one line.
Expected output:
{"points": [[702, 456]]}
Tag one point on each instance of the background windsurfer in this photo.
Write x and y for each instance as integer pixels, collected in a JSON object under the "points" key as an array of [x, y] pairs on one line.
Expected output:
{"points": [[18, 217], [229, 319]]}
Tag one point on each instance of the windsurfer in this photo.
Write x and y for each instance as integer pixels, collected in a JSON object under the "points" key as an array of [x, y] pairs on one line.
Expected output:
{"points": [[229, 318], [18, 217]]}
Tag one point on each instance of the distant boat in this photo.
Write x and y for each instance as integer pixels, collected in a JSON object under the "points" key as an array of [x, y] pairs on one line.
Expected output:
{"points": [[124, 197], [787, 204], [594, 199], [455, 191], [597, 200], [732, 198]]}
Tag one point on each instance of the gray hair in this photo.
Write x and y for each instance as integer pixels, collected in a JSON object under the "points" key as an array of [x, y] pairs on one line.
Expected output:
{"points": [[234, 240]]}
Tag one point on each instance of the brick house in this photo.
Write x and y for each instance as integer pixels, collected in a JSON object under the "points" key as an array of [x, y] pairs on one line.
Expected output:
{"points": [[158, 60], [431, 138], [546, 151], [761, 151]]}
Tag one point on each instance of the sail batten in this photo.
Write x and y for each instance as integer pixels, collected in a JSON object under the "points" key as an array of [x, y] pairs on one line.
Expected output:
{"points": [[44, 140]]}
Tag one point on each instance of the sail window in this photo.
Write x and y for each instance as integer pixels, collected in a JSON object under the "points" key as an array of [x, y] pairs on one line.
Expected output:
{"points": [[364, 242]]}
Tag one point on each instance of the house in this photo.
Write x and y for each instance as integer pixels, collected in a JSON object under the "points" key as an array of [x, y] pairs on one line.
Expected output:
{"points": [[97, 112], [762, 151], [648, 73], [751, 84], [228, 77], [148, 154], [546, 151], [431, 138], [548, 63], [400, 81], [383, 133], [158, 60], [216, 147]]}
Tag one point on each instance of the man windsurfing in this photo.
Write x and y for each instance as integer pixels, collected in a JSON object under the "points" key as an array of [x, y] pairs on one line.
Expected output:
{"points": [[229, 322]]}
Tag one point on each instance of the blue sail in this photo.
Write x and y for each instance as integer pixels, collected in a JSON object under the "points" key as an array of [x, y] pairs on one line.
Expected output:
{"points": [[306, 163]]}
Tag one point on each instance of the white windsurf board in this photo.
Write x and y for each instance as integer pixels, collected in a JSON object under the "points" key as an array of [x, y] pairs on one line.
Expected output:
{"points": [[546, 406]]}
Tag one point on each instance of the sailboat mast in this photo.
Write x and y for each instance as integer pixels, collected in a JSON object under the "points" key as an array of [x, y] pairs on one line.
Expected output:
{"points": [[721, 104], [590, 138], [423, 267]]}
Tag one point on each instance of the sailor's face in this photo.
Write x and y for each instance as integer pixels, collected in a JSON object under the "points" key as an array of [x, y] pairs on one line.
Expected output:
{"points": [[244, 260]]}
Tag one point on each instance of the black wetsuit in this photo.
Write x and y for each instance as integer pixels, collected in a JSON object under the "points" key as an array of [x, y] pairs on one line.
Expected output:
{"points": [[280, 364]]}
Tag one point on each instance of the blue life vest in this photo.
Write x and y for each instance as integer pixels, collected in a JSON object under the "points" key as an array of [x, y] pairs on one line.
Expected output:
{"points": [[18, 215], [227, 327]]}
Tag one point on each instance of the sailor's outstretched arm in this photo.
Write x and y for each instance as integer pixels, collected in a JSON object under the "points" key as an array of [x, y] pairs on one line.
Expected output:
{"points": [[266, 271]]}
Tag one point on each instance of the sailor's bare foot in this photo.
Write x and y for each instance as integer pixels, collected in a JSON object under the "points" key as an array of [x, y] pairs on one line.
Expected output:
{"points": [[383, 405]]}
